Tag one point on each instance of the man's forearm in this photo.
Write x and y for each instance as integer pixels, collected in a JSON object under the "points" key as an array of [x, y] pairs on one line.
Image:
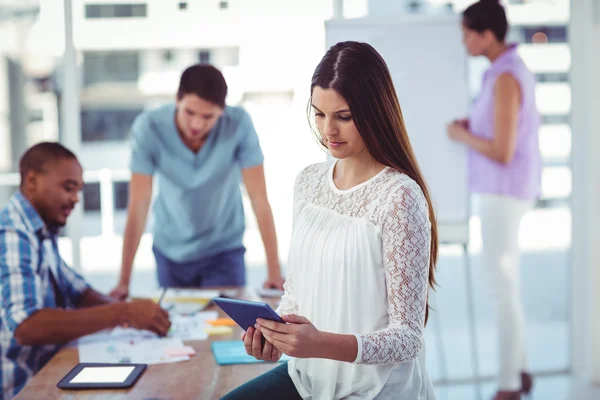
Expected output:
{"points": [[93, 298], [266, 226], [136, 221], [59, 326]]}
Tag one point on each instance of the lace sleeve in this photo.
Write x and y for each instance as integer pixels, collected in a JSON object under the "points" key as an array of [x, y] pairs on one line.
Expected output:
{"points": [[288, 304], [406, 240]]}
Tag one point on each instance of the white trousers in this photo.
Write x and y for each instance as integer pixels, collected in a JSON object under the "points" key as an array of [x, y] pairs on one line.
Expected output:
{"points": [[500, 220]]}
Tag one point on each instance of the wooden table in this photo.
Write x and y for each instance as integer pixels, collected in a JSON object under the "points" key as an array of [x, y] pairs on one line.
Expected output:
{"points": [[198, 378]]}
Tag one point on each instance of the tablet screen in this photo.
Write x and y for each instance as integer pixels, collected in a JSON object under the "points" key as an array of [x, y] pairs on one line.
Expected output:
{"points": [[103, 374]]}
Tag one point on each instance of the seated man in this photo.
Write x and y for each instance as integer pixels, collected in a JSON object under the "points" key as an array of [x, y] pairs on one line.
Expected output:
{"points": [[44, 302]]}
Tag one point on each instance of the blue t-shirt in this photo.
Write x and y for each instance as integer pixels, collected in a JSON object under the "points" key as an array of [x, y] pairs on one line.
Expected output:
{"points": [[198, 211]]}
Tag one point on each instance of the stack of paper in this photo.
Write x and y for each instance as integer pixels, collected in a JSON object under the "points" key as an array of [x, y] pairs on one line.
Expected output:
{"points": [[128, 345], [115, 334], [182, 301], [190, 295], [145, 351], [191, 327]]}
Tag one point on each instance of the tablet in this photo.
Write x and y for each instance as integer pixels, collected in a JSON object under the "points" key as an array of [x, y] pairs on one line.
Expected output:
{"points": [[101, 376], [245, 313]]}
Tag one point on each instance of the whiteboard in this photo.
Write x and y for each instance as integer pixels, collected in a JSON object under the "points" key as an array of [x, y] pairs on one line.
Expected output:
{"points": [[428, 64]]}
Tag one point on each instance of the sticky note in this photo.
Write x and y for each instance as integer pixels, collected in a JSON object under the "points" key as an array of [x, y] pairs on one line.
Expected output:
{"points": [[180, 351], [233, 352], [218, 330], [221, 322]]}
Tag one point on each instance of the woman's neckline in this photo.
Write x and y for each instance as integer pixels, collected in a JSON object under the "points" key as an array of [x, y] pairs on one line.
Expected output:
{"points": [[353, 188]]}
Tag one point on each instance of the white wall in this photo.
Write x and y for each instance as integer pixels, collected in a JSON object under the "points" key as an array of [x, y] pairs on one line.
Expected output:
{"points": [[96, 156], [5, 153], [585, 122]]}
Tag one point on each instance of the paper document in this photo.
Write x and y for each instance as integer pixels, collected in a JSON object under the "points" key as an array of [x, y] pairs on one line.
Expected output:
{"points": [[146, 351], [180, 295], [184, 327], [191, 327], [115, 334], [182, 301]]}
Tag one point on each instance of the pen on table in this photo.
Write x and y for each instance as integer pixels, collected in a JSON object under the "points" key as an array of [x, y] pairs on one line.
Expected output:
{"points": [[162, 295]]}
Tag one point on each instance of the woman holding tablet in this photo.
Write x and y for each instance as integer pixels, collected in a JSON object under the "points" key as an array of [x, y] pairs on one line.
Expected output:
{"points": [[363, 250], [505, 169]]}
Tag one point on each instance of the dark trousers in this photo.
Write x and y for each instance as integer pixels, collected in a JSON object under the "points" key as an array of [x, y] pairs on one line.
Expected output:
{"points": [[273, 385], [224, 269]]}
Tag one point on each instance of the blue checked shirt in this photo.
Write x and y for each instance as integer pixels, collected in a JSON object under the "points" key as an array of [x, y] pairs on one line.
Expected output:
{"points": [[32, 277]]}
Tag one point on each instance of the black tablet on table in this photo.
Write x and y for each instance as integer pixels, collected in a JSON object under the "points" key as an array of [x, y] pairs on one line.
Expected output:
{"points": [[102, 376]]}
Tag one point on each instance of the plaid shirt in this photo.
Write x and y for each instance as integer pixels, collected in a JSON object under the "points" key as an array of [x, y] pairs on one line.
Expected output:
{"points": [[32, 277]]}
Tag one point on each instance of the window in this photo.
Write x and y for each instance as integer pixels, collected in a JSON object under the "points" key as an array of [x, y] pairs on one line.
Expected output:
{"points": [[229, 56], [95, 11], [107, 124], [204, 56], [223, 5], [553, 98], [556, 182], [414, 6], [167, 56], [8, 191], [91, 197], [552, 77], [121, 193], [555, 143], [110, 66], [183, 5], [550, 34], [550, 203], [36, 115], [555, 119]]}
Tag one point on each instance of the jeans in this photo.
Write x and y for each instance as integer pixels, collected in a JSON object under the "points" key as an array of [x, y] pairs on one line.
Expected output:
{"points": [[224, 269]]}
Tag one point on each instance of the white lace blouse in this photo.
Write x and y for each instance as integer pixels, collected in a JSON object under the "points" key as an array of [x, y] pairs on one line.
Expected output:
{"points": [[359, 264]]}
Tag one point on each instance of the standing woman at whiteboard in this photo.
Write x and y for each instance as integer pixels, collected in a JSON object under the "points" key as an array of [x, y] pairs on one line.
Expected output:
{"points": [[504, 173], [362, 253]]}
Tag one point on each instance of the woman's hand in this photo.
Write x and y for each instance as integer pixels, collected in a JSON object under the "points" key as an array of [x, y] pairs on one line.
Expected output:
{"points": [[464, 122], [298, 338], [457, 131], [254, 347]]}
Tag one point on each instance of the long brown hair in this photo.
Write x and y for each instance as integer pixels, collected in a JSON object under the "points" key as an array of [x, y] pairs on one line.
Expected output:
{"points": [[359, 74]]}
